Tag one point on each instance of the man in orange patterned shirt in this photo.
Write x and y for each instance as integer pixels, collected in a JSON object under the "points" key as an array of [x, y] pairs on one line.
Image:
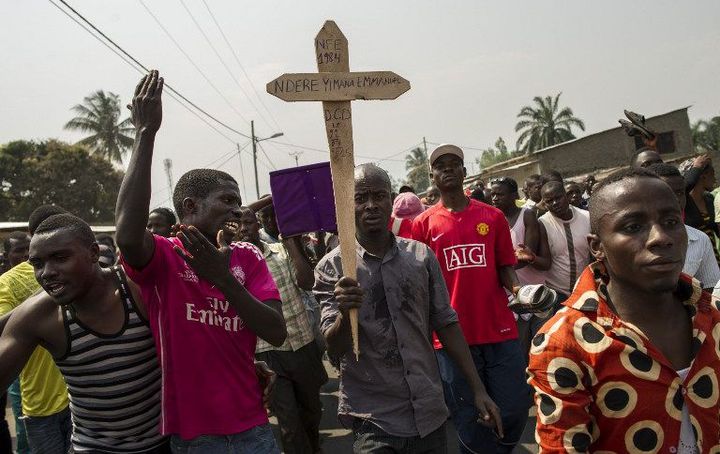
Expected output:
{"points": [[631, 363]]}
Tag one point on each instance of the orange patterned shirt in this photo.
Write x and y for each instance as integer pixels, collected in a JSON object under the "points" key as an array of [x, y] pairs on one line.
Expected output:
{"points": [[601, 386]]}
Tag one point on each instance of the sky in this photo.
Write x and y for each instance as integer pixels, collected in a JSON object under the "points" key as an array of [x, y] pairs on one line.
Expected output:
{"points": [[472, 65]]}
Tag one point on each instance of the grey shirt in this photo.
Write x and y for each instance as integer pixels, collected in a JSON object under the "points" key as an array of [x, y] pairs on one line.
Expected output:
{"points": [[396, 384]]}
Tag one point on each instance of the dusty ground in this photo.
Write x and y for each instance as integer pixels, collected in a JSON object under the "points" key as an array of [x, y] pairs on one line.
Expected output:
{"points": [[336, 439]]}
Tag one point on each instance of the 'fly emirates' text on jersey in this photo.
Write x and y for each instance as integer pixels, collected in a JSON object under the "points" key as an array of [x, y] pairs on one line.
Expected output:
{"points": [[470, 246], [205, 350]]}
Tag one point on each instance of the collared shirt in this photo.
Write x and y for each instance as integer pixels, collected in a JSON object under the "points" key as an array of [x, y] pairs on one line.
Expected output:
{"points": [[43, 389], [602, 386], [700, 262], [396, 383], [267, 238], [299, 330]]}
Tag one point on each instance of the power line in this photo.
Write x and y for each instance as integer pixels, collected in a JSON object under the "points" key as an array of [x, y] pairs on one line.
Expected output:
{"points": [[133, 66], [461, 146], [398, 153], [192, 62], [237, 59], [230, 153], [222, 61], [267, 157], [369, 158], [136, 62]]}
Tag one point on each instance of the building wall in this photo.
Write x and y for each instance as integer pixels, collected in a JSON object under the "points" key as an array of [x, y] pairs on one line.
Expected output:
{"points": [[595, 152]]}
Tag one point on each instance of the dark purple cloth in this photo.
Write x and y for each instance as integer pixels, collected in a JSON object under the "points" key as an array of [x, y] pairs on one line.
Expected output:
{"points": [[303, 199]]}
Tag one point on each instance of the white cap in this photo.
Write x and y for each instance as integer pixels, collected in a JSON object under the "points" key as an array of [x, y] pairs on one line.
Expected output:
{"points": [[444, 149]]}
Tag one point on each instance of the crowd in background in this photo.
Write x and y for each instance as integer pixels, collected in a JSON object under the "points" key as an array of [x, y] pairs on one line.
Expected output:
{"points": [[179, 332]]}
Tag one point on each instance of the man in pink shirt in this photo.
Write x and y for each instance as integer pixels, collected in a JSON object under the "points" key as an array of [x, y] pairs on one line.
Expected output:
{"points": [[206, 301]]}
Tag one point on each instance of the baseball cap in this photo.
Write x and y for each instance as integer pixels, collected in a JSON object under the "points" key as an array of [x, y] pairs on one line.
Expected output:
{"points": [[407, 206], [444, 149]]}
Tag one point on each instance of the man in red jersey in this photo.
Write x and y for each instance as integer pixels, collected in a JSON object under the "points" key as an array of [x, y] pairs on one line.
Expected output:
{"points": [[473, 245]]}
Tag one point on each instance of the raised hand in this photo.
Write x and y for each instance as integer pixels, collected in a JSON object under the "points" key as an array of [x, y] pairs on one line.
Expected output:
{"points": [[701, 161], [146, 107], [210, 262]]}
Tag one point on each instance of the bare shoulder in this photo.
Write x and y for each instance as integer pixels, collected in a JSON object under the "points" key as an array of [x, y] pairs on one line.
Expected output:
{"points": [[40, 318], [529, 216], [37, 307]]}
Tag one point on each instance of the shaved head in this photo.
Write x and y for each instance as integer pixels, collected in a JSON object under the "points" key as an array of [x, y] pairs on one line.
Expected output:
{"points": [[601, 197], [371, 172], [552, 186]]}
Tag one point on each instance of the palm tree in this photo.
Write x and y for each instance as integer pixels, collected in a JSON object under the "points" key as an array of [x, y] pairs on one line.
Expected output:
{"points": [[416, 163], [545, 124], [99, 115]]}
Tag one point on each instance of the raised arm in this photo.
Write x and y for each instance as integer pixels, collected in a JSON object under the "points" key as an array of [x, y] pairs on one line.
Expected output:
{"points": [[133, 202], [260, 203], [17, 343], [304, 276]]}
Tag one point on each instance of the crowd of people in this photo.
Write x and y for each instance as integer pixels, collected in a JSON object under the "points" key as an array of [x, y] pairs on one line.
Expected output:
{"points": [[182, 331]]}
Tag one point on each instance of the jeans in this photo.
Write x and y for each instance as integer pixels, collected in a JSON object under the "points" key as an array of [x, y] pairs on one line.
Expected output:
{"points": [[295, 399], [16, 402], [49, 434], [258, 440], [371, 439], [501, 368]]}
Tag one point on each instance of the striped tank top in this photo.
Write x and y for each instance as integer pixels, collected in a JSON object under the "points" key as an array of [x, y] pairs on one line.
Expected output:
{"points": [[113, 381]]}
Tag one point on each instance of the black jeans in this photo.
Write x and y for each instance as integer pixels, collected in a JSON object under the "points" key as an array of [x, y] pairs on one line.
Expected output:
{"points": [[5, 439], [49, 434], [296, 396], [371, 439]]}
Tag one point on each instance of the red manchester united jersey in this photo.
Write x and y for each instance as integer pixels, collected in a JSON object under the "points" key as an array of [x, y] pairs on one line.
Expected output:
{"points": [[471, 245]]}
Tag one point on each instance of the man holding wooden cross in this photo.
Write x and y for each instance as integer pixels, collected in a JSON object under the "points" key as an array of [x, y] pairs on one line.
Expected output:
{"points": [[392, 397]]}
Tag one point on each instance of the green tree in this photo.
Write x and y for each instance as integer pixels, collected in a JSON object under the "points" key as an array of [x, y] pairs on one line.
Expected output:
{"points": [[418, 169], [706, 135], [491, 156], [99, 115], [53, 172], [545, 123]]}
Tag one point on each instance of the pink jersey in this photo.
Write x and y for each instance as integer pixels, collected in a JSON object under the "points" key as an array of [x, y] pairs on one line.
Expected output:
{"points": [[205, 351]]}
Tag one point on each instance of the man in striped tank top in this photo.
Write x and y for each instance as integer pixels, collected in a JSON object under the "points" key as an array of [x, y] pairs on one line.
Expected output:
{"points": [[94, 324]]}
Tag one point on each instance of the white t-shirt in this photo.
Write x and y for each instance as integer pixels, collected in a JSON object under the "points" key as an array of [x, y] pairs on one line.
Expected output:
{"points": [[527, 274], [568, 247], [687, 444]]}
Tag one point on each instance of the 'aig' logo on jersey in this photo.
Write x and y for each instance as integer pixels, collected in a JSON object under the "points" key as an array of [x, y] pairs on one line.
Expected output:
{"points": [[464, 256]]}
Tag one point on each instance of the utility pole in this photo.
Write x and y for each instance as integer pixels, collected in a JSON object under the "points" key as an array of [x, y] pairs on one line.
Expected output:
{"points": [[425, 147], [254, 144], [167, 162], [296, 154], [255, 141]]}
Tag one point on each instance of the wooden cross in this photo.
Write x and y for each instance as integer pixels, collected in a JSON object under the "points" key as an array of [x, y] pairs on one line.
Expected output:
{"points": [[336, 86]]}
